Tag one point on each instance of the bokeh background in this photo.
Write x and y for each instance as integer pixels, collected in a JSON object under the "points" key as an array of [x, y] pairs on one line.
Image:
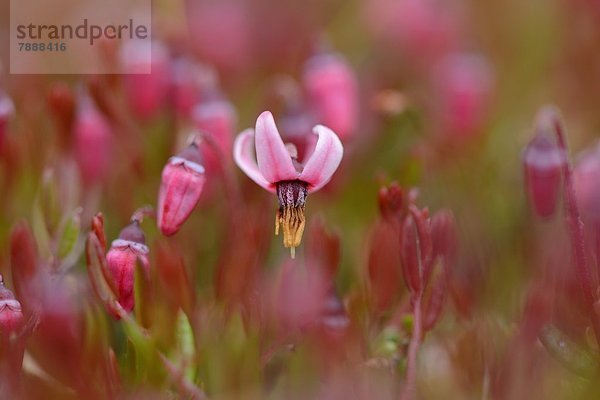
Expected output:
{"points": [[447, 93]]}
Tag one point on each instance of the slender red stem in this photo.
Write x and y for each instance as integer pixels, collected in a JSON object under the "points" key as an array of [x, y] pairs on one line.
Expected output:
{"points": [[575, 226], [409, 391]]}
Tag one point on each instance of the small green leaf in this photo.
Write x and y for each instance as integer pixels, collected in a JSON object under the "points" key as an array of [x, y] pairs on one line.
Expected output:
{"points": [[185, 343], [70, 234], [568, 353], [40, 230]]}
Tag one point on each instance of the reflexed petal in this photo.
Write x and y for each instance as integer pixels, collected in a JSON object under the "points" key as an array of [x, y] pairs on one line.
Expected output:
{"points": [[324, 161], [242, 154], [274, 161]]}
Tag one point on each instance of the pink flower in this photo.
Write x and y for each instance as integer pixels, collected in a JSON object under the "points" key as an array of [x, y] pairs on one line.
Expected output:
{"points": [[122, 259], [92, 137], [332, 90], [182, 183], [278, 170]]}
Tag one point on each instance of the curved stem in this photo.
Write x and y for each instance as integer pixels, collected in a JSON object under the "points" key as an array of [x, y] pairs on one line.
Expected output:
{"points": [[409, 391], [575, 226]]}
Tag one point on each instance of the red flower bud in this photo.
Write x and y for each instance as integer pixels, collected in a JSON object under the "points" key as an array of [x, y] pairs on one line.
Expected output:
{"points": [[145, 77], [61, 103], [417, 249], [7, 110], [11, 316], [587, 187], [332, 90], [92, 135], [186, 85], [391, 201], [122, 259], [464, 84], [24, 265], [182, 182], [543, 160], [444, 236], [217, 118]]}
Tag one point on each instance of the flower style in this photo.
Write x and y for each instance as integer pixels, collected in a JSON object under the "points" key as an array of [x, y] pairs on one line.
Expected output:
{"points": [[278, 170]]}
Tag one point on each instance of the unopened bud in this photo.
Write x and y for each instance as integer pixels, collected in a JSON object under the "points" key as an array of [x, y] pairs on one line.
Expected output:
{"points": [[217, 118], [11, 316], [332, 90], [92, 136], [7, 110], [145, 77], [543, 160], [122, 259], [181, 186]]}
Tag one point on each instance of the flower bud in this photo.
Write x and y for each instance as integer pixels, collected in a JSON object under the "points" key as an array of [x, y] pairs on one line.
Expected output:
{"points": [[464, 84], [422, 29], [227, 46], [7, 110], [542, 161], [185, 86], [391, 201], [61, 103], [145, 77], [11, 316], [416, 249], [217, 118], [92, 136], [180, 189], [587, 187], [122, 259], [332, 90]]}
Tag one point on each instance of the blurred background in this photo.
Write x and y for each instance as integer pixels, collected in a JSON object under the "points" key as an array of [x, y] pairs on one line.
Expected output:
{"points": [[435, 94]]}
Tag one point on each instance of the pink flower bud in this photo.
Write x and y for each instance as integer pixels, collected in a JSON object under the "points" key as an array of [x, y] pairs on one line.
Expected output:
{"points": [[122, 259], [463, 87], [332, 90], [182, 183], [187, 82], [423, 29], [542, 161], [7, 110], [145, 84], [227, 46], [11, 316], [92, 142], [217, 118], [61, 103], [587, 184]]}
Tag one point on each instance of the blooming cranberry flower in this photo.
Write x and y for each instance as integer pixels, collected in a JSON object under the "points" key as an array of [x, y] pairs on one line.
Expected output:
{"points": [[278, 170]]}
